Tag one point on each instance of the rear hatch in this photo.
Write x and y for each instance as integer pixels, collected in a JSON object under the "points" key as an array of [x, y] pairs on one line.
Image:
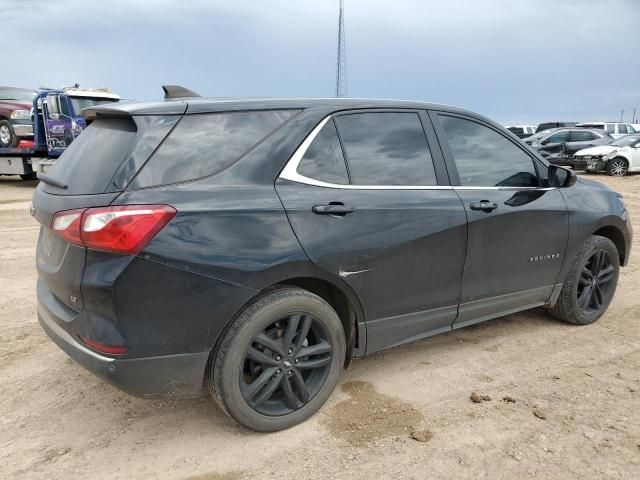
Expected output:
{"points": [[92, 172]]}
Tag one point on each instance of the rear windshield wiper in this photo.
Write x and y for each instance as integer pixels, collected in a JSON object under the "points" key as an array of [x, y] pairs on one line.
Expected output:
{"points": [[52, 181]]}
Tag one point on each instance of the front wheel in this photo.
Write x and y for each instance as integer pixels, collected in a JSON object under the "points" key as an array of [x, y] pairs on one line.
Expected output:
{"points": [[8, 137], [590, 284], [617, 167], [279, 360]]}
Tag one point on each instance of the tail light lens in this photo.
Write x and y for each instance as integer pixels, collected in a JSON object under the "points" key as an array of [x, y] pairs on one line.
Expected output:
{"points": [[102, 348], [121, 229]]}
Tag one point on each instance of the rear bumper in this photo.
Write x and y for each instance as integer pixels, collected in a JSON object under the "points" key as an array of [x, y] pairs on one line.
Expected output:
{"points": [[179, 375]]}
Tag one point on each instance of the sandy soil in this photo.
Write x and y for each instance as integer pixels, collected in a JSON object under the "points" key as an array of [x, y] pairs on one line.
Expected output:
{"points": [[573, 411]]}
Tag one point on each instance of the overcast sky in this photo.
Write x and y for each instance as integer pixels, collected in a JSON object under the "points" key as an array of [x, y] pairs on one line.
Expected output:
{"points": [[516, 61]]}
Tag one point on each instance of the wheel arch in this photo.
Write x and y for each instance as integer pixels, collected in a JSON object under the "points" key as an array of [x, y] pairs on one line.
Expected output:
{"points": [[344, 303], [614, 234]]}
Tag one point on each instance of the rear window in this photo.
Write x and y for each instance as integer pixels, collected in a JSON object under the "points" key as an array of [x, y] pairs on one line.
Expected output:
{"points": [[89, 163], [206, 144]]}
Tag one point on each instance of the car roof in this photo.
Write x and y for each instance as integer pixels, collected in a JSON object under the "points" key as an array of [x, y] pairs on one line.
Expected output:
{"points": [[191, 105]]}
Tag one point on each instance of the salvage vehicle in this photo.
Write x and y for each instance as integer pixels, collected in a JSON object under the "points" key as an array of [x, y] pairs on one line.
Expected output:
{"points": [[558, 145], [251, 248], [15, 115], [617, 159], [615, 130], [51, 121]]}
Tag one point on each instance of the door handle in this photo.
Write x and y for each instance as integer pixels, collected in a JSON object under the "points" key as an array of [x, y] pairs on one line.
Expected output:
{"points": [[484, 205], [338, 209]]}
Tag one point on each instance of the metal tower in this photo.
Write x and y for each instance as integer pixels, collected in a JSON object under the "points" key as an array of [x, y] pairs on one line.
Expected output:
{"points": [[341, 67]]}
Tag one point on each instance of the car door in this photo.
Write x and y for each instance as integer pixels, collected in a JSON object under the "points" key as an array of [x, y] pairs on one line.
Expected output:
{"points": [[386, 221], [553, 143], [518, 228]]}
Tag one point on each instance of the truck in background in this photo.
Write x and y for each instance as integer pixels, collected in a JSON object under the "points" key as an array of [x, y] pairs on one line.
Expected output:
{"points": [[55, 120]]}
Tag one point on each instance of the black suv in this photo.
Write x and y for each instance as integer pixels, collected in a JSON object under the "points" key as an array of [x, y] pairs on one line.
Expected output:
{"points": [[253, 247]]}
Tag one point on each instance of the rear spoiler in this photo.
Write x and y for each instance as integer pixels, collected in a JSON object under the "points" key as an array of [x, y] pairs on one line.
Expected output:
{"points": [[127, 109]]}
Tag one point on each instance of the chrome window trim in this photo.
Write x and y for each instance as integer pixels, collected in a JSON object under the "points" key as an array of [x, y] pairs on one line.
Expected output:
{"points": [[290, 172]]}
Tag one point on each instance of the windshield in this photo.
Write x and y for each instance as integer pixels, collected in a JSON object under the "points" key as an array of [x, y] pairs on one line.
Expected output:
{"points": [[625, 141], [83, 102], [20, 94]]}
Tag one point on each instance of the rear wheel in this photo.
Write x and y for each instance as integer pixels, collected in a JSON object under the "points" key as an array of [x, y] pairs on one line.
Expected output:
{"points": [[590, 284], [617, 167], [279, 360], [28, 176], [7, 135]]}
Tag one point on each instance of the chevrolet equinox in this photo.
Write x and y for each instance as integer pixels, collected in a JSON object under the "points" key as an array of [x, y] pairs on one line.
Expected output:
{"points": [[251, 248]]}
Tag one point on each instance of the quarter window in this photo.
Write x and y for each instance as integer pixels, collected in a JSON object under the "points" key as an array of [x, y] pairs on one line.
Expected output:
{"points": [[207, 144], [323, 160], [386, 148], [485, 158]]}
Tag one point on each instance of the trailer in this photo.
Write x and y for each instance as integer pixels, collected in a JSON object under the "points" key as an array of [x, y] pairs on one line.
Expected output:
{"points": [[57, 121]]}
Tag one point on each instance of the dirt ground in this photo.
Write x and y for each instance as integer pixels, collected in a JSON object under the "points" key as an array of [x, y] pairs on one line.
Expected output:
{"points": [[573, 406]]}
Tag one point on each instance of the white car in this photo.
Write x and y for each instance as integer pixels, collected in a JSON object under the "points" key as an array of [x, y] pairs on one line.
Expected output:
{"points": [[618, 158], [615, 130]]}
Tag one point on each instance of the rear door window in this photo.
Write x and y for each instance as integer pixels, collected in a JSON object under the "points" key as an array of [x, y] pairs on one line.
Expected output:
{"points": [[581, 136], [484, 157], [206, 144], [622, 128], [89, 163], [386, 148], [323, 160], [558, 137], [610, 128]]}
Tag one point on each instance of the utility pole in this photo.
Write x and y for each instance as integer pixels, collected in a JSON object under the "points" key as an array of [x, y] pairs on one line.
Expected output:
{"points": [[634, 116], [621, 113], [341, 67]]}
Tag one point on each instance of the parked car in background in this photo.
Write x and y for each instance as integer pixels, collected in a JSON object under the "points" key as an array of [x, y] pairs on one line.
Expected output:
{"points": [[522, 131], [253, 247], [15, 115], [618, 158], [615, 130], [562, 143], [549, 125]]}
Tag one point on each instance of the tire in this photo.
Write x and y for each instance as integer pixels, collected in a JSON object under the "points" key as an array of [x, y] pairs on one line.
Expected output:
{"points": [[617, 167], [241, 361], [28, 176], [8, 137], [579, 302]]}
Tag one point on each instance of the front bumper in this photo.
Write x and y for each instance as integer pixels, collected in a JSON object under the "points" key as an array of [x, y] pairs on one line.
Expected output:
{"points": [[22, 128], [590, 164], [160, 376]]}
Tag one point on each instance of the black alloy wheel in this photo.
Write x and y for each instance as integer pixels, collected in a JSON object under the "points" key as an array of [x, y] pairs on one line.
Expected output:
{"points": [[590, 283], [595, 283], [279, 360], [286, 365]]}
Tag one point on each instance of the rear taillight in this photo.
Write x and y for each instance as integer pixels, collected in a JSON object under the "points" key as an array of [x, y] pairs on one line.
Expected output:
{"points": [[121, 229], [103, 348]]}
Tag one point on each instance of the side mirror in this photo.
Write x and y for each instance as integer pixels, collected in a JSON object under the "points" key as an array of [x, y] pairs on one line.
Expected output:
{"points": [[561, 177]]}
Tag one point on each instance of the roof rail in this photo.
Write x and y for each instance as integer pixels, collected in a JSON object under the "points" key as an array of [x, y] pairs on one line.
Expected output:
{"points": [[176, 91]]}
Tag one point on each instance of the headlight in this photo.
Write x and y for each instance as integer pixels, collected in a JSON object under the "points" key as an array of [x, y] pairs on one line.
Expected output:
{"points": [[21, 115], [609, 155]]}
